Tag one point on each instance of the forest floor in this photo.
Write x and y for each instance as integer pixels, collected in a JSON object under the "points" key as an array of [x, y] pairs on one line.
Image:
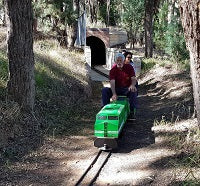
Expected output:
{"points": [[144, 157]]}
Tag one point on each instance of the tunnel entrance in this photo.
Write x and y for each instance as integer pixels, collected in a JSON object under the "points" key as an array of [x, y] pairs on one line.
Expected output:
{"points": [[98, 51]]}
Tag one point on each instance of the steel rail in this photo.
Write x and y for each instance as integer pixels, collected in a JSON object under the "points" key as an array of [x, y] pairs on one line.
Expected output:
{"points": [[90, 166], [100, 72], [97, 174]]}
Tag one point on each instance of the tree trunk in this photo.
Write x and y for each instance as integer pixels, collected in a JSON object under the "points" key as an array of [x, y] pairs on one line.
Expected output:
{"points": [[21, 85], [190, 16], [71, 30], [93, 10], [4, 14], [71, 34], [148, 27], [108, 13], [35, 20]]}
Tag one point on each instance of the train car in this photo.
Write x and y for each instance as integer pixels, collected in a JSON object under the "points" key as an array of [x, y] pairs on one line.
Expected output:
{"points": [[109, 123]]}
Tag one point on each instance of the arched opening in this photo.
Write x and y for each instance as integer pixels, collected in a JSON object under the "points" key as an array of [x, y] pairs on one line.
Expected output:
{"points": [[98, 51]]}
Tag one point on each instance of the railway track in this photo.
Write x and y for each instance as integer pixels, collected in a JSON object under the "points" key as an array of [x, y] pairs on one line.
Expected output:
{"points": [[100, 72], [92, 172]]}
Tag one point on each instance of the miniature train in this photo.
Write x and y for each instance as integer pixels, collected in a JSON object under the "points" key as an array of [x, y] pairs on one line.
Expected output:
{"points": [[109, 123]]}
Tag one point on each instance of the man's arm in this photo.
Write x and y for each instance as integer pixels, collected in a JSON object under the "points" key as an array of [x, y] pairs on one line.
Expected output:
{"points": [[133, 83], [112, 85]]}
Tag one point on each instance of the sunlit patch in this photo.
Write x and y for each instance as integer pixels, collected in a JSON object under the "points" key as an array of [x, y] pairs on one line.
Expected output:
{"points": [[54, 53], [132, 177], [137, 168], [177, 127], [178, 93]]}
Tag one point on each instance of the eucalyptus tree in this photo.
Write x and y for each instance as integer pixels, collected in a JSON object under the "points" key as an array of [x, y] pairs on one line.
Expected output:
{"points": [[133, 18], [168, 32], [21, 84], [93, 7], [109, 12], [151, 8], [59, 16], [190, 14], [160, 26]]}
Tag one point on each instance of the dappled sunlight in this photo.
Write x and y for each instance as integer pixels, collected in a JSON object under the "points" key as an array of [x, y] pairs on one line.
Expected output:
{"points": [[171, 89], [3, 84], [137, 168], [157, 73], [3, 34], [125, 177], [42, 68], [174, 93], [67, 62], [180, 126], [176, 88]]}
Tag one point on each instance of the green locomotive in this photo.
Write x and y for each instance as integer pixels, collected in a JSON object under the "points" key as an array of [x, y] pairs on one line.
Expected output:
{"points": [[109, 123]]}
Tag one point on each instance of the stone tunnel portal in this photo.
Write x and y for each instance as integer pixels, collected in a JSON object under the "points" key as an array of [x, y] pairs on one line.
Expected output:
{"points": [[98, 51]]}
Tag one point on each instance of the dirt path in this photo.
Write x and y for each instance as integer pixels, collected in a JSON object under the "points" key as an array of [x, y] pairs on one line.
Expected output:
{"points": [[142, 157]]}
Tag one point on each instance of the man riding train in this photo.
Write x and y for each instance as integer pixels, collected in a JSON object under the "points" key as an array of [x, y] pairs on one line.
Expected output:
{"points": [[122, 82]]}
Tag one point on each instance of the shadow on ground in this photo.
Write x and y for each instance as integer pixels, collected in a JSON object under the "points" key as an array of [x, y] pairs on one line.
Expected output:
{"points": [[138, 133]]}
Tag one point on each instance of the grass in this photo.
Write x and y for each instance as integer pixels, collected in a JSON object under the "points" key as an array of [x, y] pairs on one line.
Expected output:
{"points": [[63, 105], [4, 74], [149, 63], [62, 90], [181, 134], [163, 121], [186, 144]]}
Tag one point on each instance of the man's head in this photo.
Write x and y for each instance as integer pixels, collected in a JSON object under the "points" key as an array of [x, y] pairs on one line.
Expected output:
{"points": [[119, 60]]}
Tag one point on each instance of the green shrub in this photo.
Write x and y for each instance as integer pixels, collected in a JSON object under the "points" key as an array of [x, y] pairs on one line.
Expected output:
{"points": [[148, 64], [168, 36], [175, 41]]}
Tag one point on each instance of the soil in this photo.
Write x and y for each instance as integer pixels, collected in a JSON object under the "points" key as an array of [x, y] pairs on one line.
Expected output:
{"points": [[143, 154]]}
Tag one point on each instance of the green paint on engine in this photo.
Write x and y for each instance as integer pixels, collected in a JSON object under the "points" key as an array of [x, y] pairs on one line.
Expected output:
{"points": [[111, 118]]}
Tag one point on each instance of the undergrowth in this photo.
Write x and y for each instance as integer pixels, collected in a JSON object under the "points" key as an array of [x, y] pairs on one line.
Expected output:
{"points": [[185, 141], [63, 92], [3, 74], [150, 63], [179, 129]]}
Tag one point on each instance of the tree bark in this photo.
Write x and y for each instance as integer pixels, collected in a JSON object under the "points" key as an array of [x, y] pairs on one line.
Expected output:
{"points": [[108, 13], [71, 30], [93, 10], [190, 17], [71, 34], [21, 85], [148, 27]]}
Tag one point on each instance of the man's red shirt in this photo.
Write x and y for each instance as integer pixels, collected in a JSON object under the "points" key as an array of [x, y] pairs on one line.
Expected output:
{"points": [[122, 76]]}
